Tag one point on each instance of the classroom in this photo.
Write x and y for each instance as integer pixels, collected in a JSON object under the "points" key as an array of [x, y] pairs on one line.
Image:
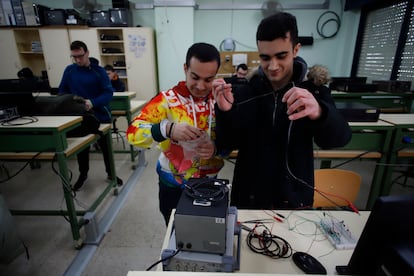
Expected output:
{"points": [[340, 92]]}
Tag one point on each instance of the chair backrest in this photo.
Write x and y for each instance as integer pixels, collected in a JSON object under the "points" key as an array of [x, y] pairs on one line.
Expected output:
{"points": [[337, 185]]}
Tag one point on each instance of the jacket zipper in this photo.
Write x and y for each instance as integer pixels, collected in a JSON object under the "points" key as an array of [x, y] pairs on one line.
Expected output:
{"points": [[275, 95]]}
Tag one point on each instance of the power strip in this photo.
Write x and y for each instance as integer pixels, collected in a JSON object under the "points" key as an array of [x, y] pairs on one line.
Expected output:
{"points": [[337, 234]]}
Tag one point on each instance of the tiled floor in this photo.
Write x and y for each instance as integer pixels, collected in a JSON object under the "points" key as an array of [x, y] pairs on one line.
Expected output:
{"points": [[134, 238]]}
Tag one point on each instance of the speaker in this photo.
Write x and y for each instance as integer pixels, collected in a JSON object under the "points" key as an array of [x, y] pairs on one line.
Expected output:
{"points": [[118, 4], [306, 40]]}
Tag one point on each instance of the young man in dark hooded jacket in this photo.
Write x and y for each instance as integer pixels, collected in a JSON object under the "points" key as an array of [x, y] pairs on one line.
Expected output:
{"points": [[274, 122]]}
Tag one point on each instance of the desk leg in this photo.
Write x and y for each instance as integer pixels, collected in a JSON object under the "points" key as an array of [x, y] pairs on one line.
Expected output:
{"points": [[70, 205], [131, 148], [108, 137], [392, 159], [380, 172]]}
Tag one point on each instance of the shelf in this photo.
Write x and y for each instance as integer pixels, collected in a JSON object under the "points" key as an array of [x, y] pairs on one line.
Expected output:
{"points": [[30, 53], [111, 41]]}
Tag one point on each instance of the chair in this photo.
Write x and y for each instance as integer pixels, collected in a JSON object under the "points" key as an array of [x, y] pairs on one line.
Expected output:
{"points": [[340, 186]]}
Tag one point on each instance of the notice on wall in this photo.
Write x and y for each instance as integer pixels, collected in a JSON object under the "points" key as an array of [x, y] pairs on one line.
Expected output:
{"points": [[137, 44]]}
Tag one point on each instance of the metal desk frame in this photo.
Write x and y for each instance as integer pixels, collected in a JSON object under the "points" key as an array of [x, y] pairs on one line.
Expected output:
{"points": [[49, 135]]}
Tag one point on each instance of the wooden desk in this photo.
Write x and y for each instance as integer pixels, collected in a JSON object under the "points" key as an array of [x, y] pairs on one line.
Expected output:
{"points": [[299, 229], [403, 127], [388, 102], [370, 140], [123, 105], [48, 136]]}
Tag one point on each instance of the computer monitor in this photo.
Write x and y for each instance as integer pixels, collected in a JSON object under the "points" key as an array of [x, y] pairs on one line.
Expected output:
{"points": [[19, 93], [389, 224], [100, 18]]}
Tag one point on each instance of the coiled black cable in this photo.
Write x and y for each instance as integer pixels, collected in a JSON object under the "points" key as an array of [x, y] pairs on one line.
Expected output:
{"points": [[261, 240], [320, 27]]}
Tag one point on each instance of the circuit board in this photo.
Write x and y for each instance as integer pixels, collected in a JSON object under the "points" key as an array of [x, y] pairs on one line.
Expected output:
{"points": [[337, 233]]}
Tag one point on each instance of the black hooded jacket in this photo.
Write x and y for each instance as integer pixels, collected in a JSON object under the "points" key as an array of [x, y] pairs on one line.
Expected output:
{"points": [[274, 166]]}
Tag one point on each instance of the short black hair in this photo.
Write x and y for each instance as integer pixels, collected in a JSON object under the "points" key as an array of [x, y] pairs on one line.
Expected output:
{"points": [[25, 73], [77, 45], [204, 52], [277, 26], [243, 66], [109, 67]]}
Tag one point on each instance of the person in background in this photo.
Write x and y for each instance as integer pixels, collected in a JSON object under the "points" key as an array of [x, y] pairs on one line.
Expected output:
{"points": [[182, 121], [25, 73], [318, 75], [117, 84], [89, 81], [241, 71], [274, 121]]}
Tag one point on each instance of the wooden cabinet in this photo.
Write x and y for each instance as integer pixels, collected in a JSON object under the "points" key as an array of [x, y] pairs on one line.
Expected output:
{"points": [[20, 48], [140, 62], [130, 50], [56, 49], [132, 53], [9, 55], [89, 36]]}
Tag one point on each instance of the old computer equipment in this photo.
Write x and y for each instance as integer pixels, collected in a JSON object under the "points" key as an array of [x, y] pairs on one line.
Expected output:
{"points": [[388, 233]]}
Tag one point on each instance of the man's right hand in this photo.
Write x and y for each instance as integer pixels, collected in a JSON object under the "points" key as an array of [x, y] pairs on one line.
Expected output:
{"points": [[223, 95]]}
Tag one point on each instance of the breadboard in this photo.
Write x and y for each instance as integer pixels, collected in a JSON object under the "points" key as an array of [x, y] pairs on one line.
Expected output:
{"points": [[337, 233]]}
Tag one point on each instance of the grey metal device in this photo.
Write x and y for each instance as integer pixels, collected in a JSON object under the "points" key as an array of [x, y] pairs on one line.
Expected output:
{"points": [[206, 262], [200, 224]]}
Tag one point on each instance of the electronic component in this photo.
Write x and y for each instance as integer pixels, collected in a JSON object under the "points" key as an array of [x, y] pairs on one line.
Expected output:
{"points": [[337, 233], [8, 113], [200, 218], [393, 85], [358, 112], [111, 50], [206, 262]]}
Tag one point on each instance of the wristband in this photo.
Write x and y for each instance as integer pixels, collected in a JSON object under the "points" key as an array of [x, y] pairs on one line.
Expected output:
{"points": [[170, 130]]}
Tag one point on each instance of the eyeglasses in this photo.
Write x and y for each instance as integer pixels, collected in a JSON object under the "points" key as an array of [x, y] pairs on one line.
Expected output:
{"points": [[78, 56]]}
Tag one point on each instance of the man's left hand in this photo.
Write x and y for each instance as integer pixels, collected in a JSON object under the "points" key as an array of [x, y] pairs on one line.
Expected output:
{"points": [[88, 105], [301, 103]]}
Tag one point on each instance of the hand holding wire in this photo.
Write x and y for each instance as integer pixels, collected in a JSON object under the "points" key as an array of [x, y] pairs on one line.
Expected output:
{"points": [[301, 103], [183, 132], [223, 95]]}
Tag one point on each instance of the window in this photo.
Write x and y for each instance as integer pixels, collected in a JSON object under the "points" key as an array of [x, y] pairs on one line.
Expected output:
{"points": [[387, 43]]}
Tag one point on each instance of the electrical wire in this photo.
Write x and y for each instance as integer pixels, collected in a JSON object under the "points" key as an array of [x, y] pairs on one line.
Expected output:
{"points": [[30, 120], [162, 260], [260, 240], [210, 189], [320, 27]]}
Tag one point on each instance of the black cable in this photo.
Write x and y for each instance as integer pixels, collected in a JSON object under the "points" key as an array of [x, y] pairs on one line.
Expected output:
{"points": [[267, 244], [22, 168], [162, 260], [320, 28], [210, 189], [30, 119], [350, 160]]}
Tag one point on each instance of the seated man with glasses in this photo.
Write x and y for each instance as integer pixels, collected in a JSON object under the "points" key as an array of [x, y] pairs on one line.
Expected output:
{"points": [[89, 82]]}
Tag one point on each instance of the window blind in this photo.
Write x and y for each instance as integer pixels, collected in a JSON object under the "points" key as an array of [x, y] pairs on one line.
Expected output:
{"points": [[380, 41], [406, 70]]}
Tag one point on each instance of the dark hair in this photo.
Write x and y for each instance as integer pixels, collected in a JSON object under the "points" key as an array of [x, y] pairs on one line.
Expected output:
{"points": [[109, 68], [243, 66], [25, 73], [94, 60], [204, 52], [77, 45], [277, 26]]}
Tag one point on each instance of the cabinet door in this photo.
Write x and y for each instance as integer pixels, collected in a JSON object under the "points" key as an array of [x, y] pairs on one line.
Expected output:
{"points": [[140, 61], [90, 37], [56, 50], [9, 56]]}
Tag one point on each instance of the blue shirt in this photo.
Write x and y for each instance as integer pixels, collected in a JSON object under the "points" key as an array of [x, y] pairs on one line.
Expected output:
{"points": [[91, 83]]}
